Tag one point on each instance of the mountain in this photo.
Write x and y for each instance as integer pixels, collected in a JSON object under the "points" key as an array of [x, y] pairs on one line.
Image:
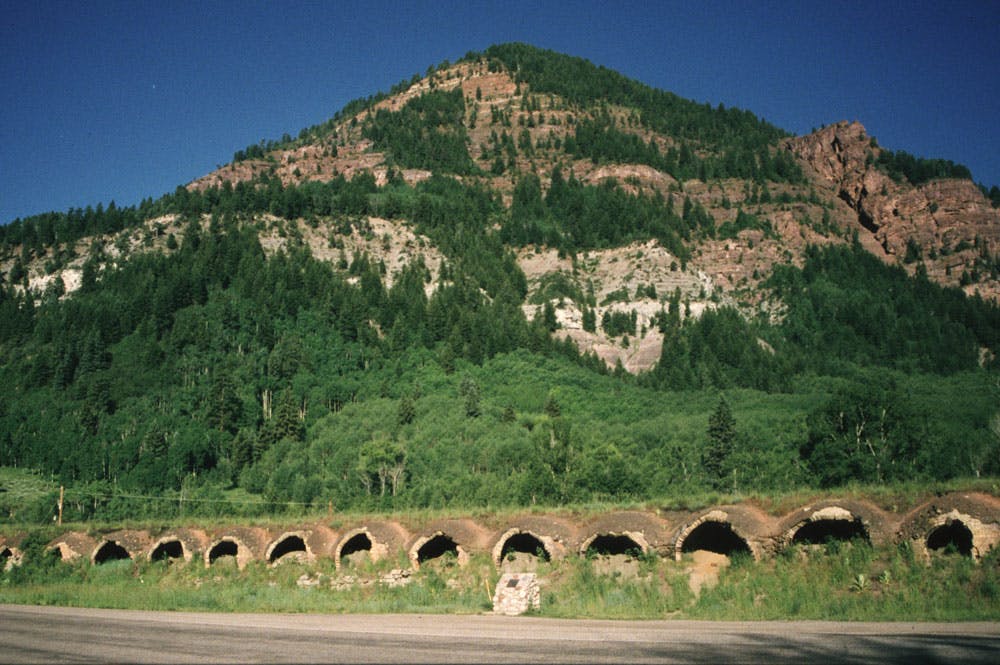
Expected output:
{"points": [[928, 211], [519, 211], [760, 197]]}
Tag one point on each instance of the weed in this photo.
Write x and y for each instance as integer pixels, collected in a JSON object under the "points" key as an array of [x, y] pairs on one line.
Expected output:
{"points": [[820, 587]]}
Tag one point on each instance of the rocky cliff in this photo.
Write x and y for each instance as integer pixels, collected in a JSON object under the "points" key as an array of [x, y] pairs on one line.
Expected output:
{"points": [[946, 224]]}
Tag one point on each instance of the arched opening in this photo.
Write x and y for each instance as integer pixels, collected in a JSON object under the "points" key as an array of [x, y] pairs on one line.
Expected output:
{"points": [[819, 532], [953, 537], [437, 547], [223, 548], [5, 554], [717, 537], [167, 550], [356, 550], [110, 551], [290, 544], [611, 545], [59, 551], [523, 544]]}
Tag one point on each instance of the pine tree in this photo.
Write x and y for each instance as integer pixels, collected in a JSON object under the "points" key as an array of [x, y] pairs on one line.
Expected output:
{"points": [[549, 317], [552, 407], [224, 407], [407, 411], [244, 449], [285, 424], [721, 441], [469, 390]]}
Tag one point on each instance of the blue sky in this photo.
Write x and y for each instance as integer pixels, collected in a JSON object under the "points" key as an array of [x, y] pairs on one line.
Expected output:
{"points": [[119, 101]]}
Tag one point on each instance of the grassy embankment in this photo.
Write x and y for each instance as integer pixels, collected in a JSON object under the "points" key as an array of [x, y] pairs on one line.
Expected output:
{"points": [[838, 581]]}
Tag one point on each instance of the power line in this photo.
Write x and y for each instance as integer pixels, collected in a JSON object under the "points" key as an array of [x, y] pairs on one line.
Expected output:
{"points": [[261, 502]]}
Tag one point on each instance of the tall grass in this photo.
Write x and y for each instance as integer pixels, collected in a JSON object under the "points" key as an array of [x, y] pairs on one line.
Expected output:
{"points": [[258, 587], [838, 581], [855, 582]]}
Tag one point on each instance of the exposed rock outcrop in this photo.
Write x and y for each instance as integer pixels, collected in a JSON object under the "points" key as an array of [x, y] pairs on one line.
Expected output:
{"points": [[946, 224]]}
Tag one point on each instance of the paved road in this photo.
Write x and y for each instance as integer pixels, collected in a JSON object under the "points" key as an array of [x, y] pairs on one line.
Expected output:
{"points": [[47, 634]]}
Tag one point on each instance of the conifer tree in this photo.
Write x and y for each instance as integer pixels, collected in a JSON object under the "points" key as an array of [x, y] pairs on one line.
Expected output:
{"points": [[721, 441], [469, 390]]}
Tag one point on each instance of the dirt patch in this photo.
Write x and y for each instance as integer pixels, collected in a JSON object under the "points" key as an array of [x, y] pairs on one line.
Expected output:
{"points": [[620, 566], [356, 559], [703, 569], [520, 562]]}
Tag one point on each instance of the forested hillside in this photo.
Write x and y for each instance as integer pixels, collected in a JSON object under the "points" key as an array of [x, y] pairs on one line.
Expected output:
{"points": [[248, 344]]}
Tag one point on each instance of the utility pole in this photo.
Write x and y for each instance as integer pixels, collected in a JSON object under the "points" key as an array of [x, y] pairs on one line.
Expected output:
{"points": [[61, 494]]}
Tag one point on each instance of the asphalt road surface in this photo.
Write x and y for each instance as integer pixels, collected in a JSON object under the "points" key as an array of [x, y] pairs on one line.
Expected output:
{"points": [[56, 634]]}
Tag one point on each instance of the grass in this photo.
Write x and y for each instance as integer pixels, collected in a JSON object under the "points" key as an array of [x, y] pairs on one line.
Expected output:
{"points": [[838, 581], [256, 588], [855, 582], [894, 497], [22, 487]]}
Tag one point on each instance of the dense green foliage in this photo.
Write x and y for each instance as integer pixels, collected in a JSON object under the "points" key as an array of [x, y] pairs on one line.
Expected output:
{"points": [[217, 367], [573, 216], [427, 133], [846, 305], [214, 372], [583, 83], [739, 137], [601, 141], [918, 170], [165, 368], [992, 194], [40, 235], [719, 349]]}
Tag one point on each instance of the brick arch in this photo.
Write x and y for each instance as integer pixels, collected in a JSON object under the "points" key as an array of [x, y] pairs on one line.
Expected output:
{"points": [[952, 533], [972, 536], [288, 543], [435, 545], [10, 556], [63, 551], [109, 550], [361, 539], [648, 530], [831, 522], [979, 514], [612, 542], [838, 519], [228, 546], [72, 545], [713, 531], [525, 541], [169, 547]]}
